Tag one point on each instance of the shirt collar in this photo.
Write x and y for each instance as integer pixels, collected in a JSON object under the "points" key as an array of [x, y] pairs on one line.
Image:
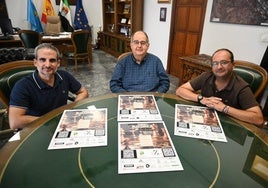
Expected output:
{"points": [[41, 84], [143, 60], [229, 86]]}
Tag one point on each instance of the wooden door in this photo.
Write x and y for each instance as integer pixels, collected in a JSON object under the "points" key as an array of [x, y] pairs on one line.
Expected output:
{"points": [[186, 32]]}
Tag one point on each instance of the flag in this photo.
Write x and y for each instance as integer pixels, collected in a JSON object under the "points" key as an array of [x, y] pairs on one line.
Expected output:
{"points": [[65, 24], [80, 18], [65, 10], [47, 11], [33, 18]]}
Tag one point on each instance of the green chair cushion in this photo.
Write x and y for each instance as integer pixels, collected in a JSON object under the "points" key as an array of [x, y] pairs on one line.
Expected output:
{"points": [[9, 78], [251, 76]]}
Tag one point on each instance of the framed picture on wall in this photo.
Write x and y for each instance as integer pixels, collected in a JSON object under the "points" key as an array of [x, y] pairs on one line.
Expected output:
{"points": [[240, 12], [163, 1], [163, 14]]}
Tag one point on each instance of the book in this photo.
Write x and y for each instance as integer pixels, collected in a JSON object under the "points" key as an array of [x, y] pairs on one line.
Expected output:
{"points": [[146, 147], [198, 122], [80, 128], [137, 108], [126, 9]]}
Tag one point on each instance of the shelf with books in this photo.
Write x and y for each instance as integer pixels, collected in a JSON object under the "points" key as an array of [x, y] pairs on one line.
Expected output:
{"points": [[109, 7], [121, 18], [127, 8]]}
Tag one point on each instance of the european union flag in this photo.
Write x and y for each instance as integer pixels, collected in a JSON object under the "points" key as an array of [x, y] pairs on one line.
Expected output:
{"points": [[80, 18], [33, 18]]}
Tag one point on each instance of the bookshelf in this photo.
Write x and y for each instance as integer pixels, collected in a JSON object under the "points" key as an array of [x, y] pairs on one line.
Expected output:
{"points": [[120, 19]]}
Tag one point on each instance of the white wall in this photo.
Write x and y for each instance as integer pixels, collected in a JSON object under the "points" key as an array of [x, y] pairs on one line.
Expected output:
{"points": [[243, 40], [157, 31]]}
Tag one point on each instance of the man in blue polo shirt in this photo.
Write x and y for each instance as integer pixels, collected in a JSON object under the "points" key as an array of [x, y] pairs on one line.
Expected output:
{"points": [[44, 90], [140, 71]]}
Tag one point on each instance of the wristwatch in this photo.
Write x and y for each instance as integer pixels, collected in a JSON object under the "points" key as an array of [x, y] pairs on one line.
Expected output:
{"points": [[199, 98]]}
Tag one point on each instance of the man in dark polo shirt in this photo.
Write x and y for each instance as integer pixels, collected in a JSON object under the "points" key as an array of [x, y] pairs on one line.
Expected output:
{"points": [[44, 90], [223, 90]]}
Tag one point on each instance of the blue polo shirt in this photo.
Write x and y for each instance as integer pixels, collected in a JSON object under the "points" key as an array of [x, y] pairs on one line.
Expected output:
{"points": [[38, 98], [148, 76]]}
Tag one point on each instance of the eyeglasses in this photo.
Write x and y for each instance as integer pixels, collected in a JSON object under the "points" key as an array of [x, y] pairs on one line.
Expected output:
{"points": [[222, 62], [43, 60], [136, 42]]}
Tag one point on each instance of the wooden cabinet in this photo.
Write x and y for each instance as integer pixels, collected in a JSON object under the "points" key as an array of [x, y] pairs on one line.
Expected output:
{"points": [[193, 66], [113, 43], [120, 19]]}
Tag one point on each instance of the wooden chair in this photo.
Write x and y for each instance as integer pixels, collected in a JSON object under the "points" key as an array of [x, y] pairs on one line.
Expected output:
{"points": [[81, 41], [10, 73], [29, 38], [123, 55], [254, 75]]}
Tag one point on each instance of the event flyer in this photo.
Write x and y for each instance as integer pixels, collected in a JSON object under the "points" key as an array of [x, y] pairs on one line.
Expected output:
{"points": [[81, 128], [146, 147], [137, 108], [198, 122]]}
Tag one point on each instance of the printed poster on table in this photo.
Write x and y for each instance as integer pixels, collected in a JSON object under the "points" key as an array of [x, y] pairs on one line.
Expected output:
{"points": [[137, 108], [146, 147], [198, 122], [80, 128]]}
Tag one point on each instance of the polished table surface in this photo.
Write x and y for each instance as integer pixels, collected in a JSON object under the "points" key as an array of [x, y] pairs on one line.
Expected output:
{"points": [[28, 163]]}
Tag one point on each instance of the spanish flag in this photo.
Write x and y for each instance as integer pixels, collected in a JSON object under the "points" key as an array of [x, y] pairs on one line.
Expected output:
{"points": [[47, 11]]}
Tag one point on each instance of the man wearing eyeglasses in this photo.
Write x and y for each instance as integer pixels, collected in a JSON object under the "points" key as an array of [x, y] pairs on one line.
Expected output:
{"points": [[140, 71], [223, 90]]}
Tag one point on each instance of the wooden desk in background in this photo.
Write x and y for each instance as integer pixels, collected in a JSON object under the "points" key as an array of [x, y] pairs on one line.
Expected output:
{"points": [[193, 66], [63, 43], [11, 43]]}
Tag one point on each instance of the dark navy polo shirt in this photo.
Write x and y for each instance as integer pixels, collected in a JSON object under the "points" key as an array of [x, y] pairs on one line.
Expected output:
{"points": [[39, 98]]}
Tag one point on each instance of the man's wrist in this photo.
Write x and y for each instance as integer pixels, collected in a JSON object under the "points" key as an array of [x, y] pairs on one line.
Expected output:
{"points": [[265, 125], [199, 98], [226, 109]]}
